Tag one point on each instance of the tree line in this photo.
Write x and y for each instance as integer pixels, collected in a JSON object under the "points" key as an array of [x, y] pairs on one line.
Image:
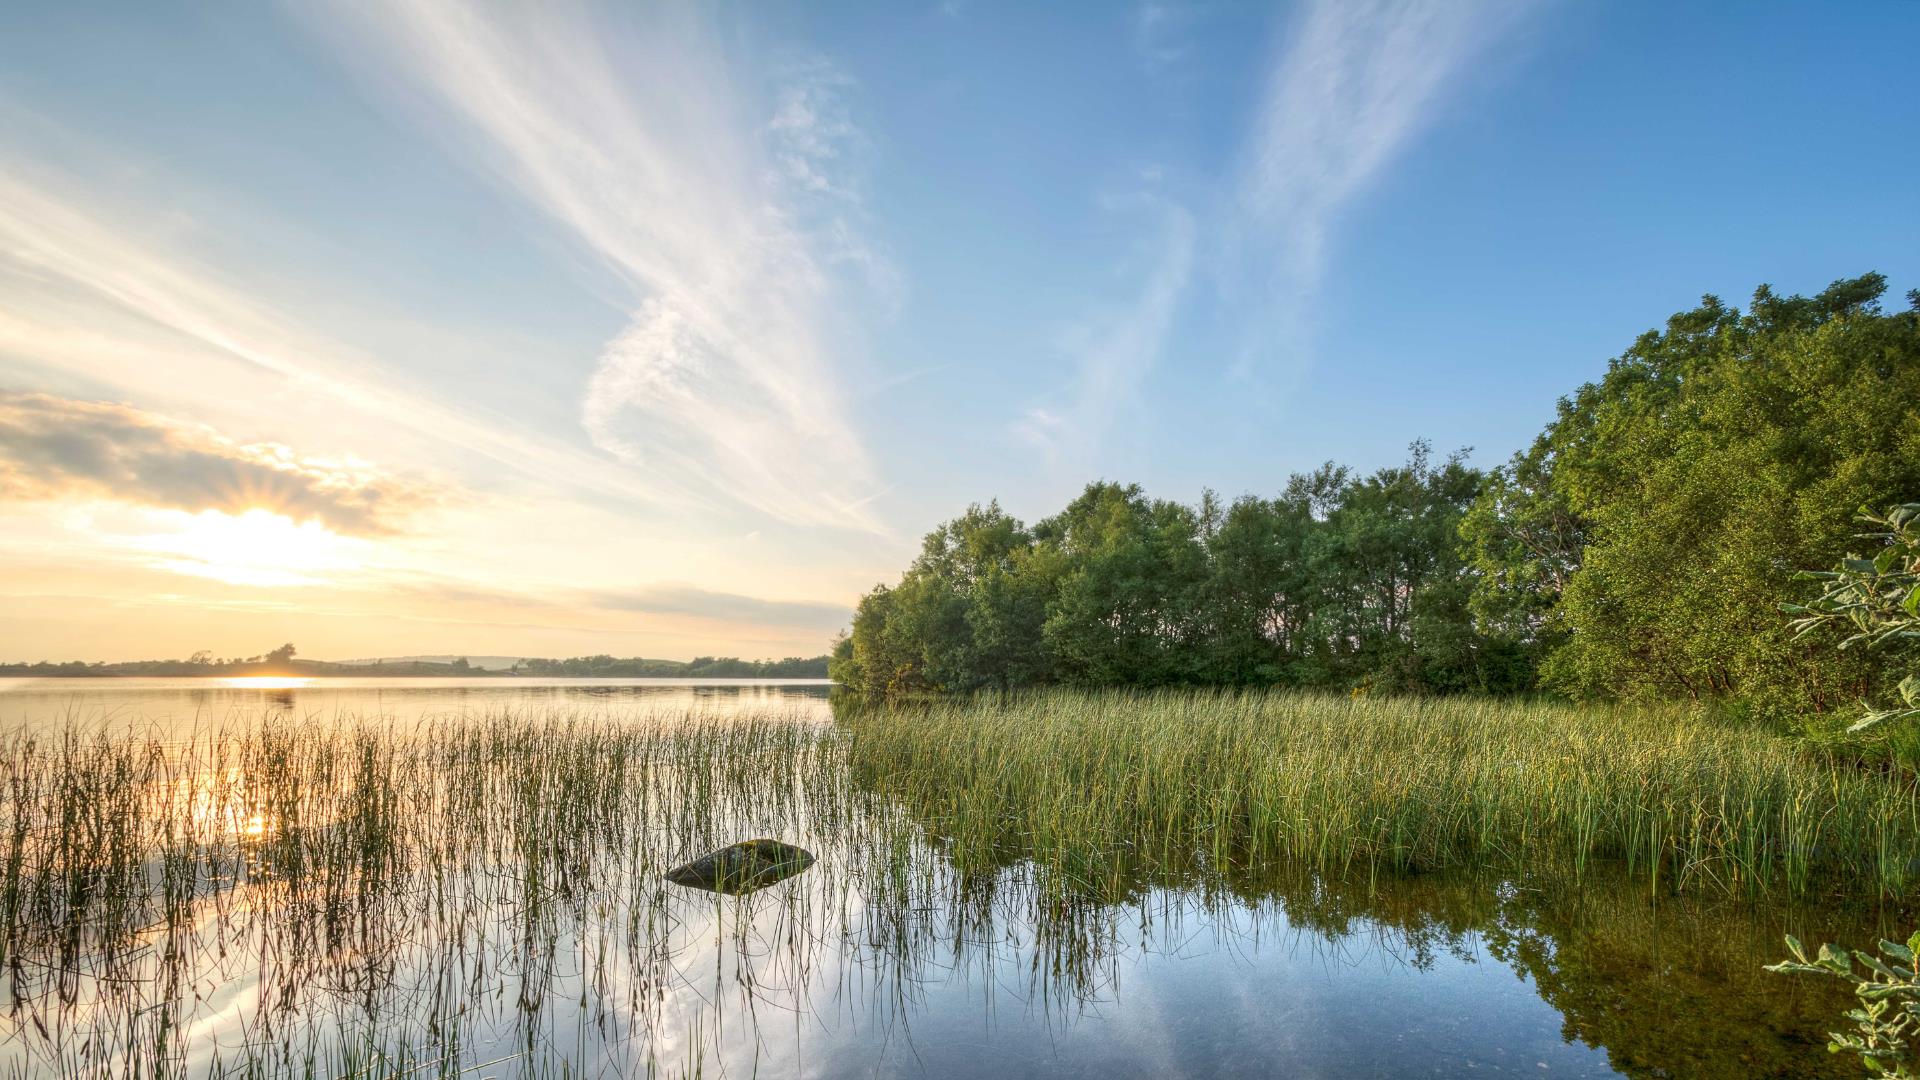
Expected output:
{"points": [[1643, 546], [700, 667], [281, 661]]}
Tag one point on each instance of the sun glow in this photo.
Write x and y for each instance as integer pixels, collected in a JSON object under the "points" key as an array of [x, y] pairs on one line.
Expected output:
{"points": [[258, 547], [266, 682]]}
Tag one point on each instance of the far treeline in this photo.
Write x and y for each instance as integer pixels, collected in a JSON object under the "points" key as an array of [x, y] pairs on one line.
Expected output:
{"points": [[281, 661], [700, 667], [1642, 547]]}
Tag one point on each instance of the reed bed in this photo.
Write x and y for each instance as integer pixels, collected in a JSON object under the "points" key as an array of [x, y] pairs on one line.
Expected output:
{"points": [[349, 899], [1095, 786]]}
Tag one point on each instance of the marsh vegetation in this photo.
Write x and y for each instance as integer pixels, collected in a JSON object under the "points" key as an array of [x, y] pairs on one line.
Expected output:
{"points": [[342, 898]]}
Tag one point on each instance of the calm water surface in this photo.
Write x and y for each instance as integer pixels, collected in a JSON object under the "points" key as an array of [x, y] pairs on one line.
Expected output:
{"points": [[180, 703], [884, 959]]}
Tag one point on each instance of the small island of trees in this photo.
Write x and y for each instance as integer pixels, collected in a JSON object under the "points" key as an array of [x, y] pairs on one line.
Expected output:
{"points": [[1643, 547]]}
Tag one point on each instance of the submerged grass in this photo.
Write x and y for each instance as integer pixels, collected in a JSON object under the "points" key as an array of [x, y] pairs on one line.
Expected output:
{"points": [[1095, 785]]}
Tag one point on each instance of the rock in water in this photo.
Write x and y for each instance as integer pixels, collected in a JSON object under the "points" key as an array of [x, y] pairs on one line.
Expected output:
{"points": [[743, 867]]}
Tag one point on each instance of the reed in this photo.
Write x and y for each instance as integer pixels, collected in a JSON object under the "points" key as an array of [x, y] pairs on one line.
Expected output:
{"points": [[346, 899], [1093, 784]]}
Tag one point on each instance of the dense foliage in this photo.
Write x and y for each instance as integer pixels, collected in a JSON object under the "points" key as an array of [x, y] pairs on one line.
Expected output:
{"points": [[1643, 546], [1339, 580]]}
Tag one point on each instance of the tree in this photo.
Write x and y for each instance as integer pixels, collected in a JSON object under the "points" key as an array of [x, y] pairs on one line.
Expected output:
{"points": [[1130, 570], [282, 654], [1338, 580], [1390, 561], [1650, 535], [1522, 541], [1258, 591]]}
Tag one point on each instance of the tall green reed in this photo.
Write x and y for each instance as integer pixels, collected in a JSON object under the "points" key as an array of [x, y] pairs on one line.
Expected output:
{"points": [[1091, 784]]}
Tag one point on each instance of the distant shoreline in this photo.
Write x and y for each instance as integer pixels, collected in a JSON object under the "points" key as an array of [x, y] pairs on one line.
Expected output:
{"points": [[502, 675], [284, 667]]}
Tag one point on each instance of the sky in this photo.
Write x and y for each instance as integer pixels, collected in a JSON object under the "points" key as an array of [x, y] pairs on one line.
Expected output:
{"points": [[668, 330]]}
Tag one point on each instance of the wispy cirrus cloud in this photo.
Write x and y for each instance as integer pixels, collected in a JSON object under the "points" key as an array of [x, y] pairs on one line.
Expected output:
{"points": [[1354, 83], [1113, 352], [727, 209], [59, 448], [90, 292]]}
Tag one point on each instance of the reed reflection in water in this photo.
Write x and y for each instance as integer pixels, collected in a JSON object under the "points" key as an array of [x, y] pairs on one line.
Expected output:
{"points": [[467, 891]]}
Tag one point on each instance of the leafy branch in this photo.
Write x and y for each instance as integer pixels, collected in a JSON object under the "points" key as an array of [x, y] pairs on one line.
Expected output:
{"points": [[1889, 1014], [1875, 600]]}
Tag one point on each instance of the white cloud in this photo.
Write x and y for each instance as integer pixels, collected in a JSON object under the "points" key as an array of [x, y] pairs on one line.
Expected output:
{"points": [[725, 210], [90, 293], [1356, 81], [1113, 354], [1352, 83]]}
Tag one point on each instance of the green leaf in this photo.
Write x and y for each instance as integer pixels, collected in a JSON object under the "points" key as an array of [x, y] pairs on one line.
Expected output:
{"points": [[1873, 963]]}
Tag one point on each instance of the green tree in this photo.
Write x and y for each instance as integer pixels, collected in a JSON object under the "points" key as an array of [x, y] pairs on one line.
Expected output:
{"points": [[1130, 572], [1258, 592], [1653, 531]]}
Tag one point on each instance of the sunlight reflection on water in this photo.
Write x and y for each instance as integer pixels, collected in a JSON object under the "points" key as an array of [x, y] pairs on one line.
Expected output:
{"points": [[179, 705]]}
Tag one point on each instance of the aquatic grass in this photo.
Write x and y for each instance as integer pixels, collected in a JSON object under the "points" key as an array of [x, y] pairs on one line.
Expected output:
{"points": [[1090, 784], [364, 877]]}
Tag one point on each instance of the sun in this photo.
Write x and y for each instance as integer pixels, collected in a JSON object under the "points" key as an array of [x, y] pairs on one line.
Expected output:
{"points": [[255, 547]]}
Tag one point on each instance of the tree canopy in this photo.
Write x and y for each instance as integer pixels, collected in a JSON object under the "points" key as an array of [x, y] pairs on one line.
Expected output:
{"points": [[1340, 580]]}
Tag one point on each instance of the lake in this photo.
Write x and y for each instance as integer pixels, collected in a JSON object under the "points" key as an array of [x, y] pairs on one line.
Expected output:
{"points": [[387, 877], [181, 703]]}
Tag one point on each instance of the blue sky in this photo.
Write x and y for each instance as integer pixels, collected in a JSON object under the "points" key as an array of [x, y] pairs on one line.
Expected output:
{"points": [[668, 330]]}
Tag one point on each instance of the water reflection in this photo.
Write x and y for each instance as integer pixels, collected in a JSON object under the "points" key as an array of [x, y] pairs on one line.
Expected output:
{"points": [[178, 707], [265, 682], [494, 891]]}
